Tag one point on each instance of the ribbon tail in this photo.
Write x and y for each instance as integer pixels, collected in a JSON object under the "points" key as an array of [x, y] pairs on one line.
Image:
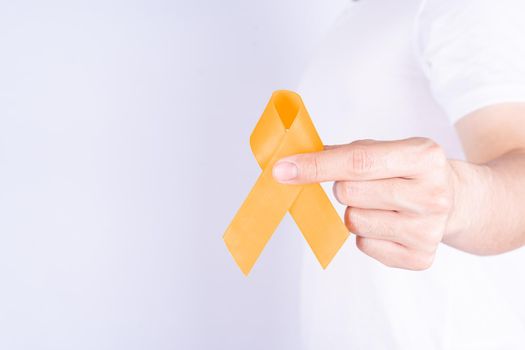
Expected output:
{"points": [[257, 219], [319, 222]]}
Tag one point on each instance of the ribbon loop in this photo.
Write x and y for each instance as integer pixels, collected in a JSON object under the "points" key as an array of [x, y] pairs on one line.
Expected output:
{"points": [[285, 128]]}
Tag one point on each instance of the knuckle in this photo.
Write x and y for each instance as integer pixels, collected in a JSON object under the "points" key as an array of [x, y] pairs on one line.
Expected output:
{"points": [[423, 143], [348, 220], [315, 170], [420, 261], [362, 244], [345, 191], [442, 202], [435, 155], [434, 199], [360, 159], [430, 152], [389, 262], [426, 234], [439, 199], [430, 238], [349, 189], [356, 223], [364, 142], [395, 192], [309, 168], [339, 191], [434, 236], [438, 158], [390, 231]]}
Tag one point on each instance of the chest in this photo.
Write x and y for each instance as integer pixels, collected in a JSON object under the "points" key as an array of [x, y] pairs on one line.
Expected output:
{"points": [[366, 81]]}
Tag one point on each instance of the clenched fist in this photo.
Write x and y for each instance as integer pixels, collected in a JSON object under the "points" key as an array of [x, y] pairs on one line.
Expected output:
{"points": [[399, 194]]}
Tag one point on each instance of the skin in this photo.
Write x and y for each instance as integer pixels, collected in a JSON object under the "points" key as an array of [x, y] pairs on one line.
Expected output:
{"points": [[404, 197]]}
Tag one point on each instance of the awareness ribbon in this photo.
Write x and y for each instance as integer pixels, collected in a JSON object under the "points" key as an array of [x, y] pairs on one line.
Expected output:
{"points": [[284, 129]]}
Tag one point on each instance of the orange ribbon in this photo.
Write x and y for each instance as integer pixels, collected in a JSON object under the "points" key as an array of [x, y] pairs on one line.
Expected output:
{"points": [[285, 128]]}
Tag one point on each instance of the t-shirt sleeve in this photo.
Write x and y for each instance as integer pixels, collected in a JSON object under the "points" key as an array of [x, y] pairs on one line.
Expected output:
{"points": [[473, 52]]}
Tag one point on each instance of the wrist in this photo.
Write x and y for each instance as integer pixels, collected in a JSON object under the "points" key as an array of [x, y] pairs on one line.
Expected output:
{"points": [[471, 189]]}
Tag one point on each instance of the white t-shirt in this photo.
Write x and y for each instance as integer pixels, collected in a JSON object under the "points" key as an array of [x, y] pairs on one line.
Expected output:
{"points": [[396, 69]]}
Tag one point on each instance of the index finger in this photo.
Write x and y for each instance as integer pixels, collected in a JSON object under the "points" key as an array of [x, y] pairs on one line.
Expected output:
{"points": [[358, 161]]}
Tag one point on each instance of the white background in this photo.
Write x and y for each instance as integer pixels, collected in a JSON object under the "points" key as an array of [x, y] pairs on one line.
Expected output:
{"points": [[124, 129]]}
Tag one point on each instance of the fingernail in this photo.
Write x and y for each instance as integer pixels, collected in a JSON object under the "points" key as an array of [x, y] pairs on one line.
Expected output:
{"points": [[284, 171]]}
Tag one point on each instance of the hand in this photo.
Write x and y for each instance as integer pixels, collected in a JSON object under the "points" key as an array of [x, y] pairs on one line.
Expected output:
{"points": [[399, 194]]}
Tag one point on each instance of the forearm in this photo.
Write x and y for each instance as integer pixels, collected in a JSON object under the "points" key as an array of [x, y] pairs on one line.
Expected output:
{"points": [[489, 205]]}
